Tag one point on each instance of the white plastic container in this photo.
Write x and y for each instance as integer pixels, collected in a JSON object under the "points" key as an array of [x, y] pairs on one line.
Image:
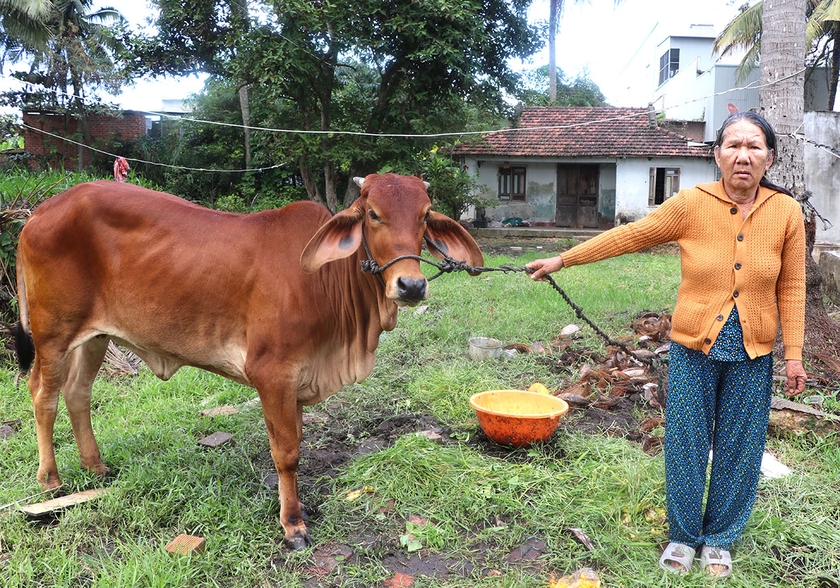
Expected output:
{"points": [[485, 348]]}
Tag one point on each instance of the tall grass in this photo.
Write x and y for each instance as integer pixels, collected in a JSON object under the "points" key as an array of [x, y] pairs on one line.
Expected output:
{"points": [[479, 502]]}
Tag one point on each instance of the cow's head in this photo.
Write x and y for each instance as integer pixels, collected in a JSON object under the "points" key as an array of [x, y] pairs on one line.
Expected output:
{"points": [[392, 215]]}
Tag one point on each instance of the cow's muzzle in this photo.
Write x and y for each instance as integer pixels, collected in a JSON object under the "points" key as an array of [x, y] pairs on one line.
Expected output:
{"points": [[411, 290]]}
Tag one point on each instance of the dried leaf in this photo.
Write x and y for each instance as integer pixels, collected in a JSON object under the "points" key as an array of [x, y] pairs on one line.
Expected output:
{"points": [[537, 347], [574, 399], [652, 445], [582, 389], [519, 347], [652, 394], [652, 423]]}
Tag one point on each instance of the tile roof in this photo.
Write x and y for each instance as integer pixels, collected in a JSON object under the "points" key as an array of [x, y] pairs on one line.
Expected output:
{"points": [[603, 131]]}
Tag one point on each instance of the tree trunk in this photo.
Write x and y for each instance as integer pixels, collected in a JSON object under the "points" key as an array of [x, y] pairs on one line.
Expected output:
{"points": [[245, 107], [239, 10], [782, 96], [309, 181], [353, 191], [330, 190], [555, 7], [782, 100]]}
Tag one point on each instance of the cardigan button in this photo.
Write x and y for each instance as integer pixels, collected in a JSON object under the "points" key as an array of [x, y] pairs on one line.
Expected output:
{"points": [[737, 265], [740, 237], [720, 317], [735, 294], [733, 210], [707, 341]]}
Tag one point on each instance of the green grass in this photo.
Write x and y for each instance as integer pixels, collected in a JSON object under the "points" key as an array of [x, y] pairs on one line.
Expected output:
{"points": [[480, 504]]}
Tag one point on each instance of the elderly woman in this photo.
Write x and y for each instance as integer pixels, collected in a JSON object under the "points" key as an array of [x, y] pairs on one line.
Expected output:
{"points": [[742, 251]]}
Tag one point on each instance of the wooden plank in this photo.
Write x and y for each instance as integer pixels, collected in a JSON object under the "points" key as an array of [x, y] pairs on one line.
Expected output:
{"points": [[41, 509], [215, 439], [186, 545], [219, 411]]}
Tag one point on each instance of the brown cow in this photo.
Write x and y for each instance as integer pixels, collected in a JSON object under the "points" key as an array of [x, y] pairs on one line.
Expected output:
{"points": [[275, 300]]}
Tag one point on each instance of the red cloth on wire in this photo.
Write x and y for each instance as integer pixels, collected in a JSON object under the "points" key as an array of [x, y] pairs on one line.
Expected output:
{"points": [[121, 169]]}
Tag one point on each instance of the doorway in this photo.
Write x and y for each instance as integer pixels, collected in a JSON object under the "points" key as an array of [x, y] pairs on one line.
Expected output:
{"points": [[577, 196]]}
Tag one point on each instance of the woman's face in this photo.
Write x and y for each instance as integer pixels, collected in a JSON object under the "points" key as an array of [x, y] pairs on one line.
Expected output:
{"points": [[743, 157]]}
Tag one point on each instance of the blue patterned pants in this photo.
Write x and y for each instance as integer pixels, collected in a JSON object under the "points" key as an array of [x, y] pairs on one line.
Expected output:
{"points": [[723, 406]]}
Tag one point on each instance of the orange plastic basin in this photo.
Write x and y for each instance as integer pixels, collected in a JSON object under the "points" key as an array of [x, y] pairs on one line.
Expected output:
{"points": [[516, 417]]}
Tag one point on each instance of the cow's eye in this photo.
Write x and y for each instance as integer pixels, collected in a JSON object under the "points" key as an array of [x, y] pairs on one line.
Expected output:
{"points": [[373, 215], [428, 216]]}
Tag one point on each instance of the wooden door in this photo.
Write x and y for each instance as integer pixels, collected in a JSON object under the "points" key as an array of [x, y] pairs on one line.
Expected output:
{"points": [[577, 196]]}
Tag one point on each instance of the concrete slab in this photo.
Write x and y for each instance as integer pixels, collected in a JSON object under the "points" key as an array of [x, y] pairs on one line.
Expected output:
{"points": [[830, 271]]}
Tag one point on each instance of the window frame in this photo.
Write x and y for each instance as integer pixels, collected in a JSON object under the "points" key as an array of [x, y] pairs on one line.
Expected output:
{"points": [[670, 184], [512, 183], [669, 64]]}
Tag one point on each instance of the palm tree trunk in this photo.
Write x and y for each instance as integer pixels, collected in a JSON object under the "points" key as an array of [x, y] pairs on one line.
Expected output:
{"points": [[555, 7], [782, 101]]}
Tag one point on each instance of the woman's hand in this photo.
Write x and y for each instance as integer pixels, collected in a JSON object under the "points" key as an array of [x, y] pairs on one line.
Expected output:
{"points": [[795, 372], [542, 267]]}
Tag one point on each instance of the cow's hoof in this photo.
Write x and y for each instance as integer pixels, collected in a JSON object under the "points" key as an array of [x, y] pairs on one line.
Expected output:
{"points": [[100, 469], [49, 482], [298, 541]]}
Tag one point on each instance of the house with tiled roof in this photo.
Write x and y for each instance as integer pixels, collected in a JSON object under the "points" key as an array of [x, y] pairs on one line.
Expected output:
{"points": [[582, 167]]}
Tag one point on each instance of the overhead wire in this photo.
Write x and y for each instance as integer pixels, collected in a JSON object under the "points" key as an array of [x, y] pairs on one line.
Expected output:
{"points": [[753, 85]]}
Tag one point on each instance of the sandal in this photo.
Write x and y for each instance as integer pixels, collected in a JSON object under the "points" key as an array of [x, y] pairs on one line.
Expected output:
{"points": [[679, 554], [712, 556]]}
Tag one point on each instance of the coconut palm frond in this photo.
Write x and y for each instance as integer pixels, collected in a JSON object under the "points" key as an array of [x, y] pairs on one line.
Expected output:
{"points": [[820, 21], [748, 63], [742, 32], [31, 8], [105, 15], [121, 362]]}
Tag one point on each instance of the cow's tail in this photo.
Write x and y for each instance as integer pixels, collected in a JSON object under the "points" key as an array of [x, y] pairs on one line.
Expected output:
{"points": [[24, 345]]}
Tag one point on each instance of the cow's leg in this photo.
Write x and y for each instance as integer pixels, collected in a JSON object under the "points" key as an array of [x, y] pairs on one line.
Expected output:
{"points": [[44, 385], [83, 365], [283, 418]]}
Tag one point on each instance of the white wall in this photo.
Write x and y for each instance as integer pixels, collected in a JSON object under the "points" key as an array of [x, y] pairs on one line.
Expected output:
{"points": [[822, 174], [629, 183]]}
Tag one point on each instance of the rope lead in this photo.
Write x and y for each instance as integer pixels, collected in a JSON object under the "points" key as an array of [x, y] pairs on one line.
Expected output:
{"points": [[449, 265]]}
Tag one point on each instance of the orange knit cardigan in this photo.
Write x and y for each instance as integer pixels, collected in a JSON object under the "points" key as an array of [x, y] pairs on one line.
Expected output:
{"points": [[757, 262]]}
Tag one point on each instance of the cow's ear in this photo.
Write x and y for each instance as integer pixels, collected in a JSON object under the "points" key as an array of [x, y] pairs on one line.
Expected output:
{"points": [[450, 238], [338, 238]]}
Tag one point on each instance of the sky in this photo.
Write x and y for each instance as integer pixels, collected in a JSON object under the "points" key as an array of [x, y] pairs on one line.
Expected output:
{"points": [[615, 45]]}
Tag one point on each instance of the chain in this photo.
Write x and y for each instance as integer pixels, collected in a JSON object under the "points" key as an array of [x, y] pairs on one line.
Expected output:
{"points": [[448, 265]]}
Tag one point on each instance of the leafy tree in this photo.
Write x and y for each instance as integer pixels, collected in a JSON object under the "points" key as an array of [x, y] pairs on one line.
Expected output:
{"points": [[580, 91], [22, 23], [77, 57], [404, 67], [451, 188]]}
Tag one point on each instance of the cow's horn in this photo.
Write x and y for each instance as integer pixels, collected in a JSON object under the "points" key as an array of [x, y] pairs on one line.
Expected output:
{"points": [[359, 181]]}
